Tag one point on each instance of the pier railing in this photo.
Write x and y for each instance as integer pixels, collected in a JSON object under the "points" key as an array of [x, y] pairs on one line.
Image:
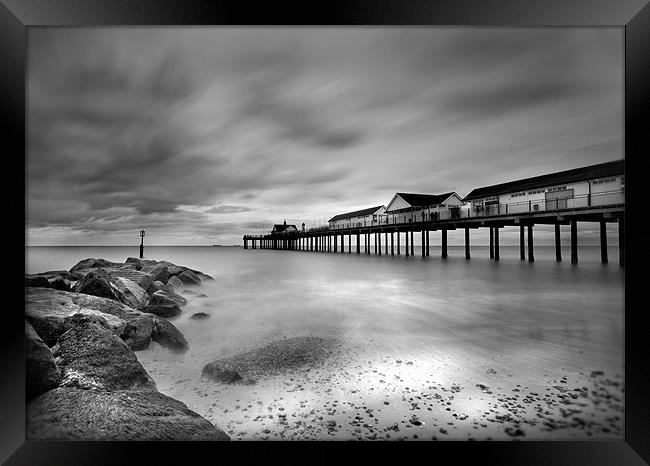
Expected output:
{"points": [[580, 201]]}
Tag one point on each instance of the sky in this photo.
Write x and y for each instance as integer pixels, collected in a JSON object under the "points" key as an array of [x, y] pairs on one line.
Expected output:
{"points": [[202, 135]]}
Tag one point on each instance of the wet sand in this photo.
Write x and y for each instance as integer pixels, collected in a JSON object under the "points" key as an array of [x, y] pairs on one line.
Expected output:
{"points": [[380, 390]]}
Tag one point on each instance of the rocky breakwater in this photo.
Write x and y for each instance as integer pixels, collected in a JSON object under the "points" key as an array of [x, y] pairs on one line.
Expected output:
{"points": [[82, 326]]}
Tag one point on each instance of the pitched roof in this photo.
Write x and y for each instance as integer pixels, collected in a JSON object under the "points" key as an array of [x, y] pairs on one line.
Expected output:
{"points": [[421, 200], [356, 213], [281, 227], [601, 170]]}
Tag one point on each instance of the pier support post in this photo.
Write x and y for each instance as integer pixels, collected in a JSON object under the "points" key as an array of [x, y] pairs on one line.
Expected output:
{"points": [[603, 242], [496, 244], [342, 242], [574, 242], [375, 235], [350, 243], [491, 243], [358, 243], [245, 243], [336, 246], [424, 243], [392, 244], [558, 245], [379, 238], [522, 243], [466, 243], [386, 241], [412, 245], [444, 243], [621, 241], [531, 256], [407, 242], [427, 240], [398, 246]]}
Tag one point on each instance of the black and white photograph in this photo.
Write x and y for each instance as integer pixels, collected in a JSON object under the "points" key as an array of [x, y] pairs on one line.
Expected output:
{"points": [[282, 233]]}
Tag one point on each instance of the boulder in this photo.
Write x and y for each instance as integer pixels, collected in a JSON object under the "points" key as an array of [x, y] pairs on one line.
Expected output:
{"points": [[96, 282], [203, 276], [59, 283], [167, 297], [32, 281], [156, 286], [174, 283], [189, 278], [163, 310], [142, 279], [123, 415], [49, 311], [159, 272], [93, 264], [137, 334], [220, 373], [165, 334], [200, 315], [130, 293], [173, 269], [90, 356], [41, 372]]}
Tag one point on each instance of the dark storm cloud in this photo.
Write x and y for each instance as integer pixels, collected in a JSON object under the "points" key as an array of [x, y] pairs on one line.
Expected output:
{"points": [[508, 97], [208, 133]]}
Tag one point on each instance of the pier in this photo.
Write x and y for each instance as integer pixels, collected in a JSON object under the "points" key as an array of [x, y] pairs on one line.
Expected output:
{"points": [[594, 194], [334, 240]]}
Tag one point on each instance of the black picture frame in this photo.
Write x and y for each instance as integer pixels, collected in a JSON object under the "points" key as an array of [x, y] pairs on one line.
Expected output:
{"points": [[632, 15]]}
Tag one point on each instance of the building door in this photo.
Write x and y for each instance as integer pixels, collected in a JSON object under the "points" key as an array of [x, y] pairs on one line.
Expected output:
{"points": [[556, 200]]}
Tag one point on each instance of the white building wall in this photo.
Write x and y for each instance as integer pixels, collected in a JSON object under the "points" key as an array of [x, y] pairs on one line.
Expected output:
{"points": [[603, 192]]}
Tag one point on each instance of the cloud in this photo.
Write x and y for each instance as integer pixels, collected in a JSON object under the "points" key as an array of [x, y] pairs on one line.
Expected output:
{"points": [[174, 128], [227, 209]]}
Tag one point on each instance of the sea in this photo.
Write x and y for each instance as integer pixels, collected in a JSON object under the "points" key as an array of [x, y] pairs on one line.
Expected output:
{"points": [[428, 348]]}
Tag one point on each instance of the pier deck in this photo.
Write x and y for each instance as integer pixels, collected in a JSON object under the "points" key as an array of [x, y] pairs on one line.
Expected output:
{"points": [[333, 240]]}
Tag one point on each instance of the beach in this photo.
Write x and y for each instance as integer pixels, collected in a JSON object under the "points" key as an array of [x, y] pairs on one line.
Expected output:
{"points": [[403, 348]]}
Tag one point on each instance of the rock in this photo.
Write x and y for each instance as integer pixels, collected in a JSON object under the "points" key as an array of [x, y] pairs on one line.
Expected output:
{"points": [[59, 283], [137, 334], [199, 315], [159, 272], [116, 325], [36, 281], [48, 310], [173, 269], [155, 286], [142, 279], [163, 310], [41, 372], [189, 278], [165, 334], [203, 276], [130, 293], [90, 356], [219, 373], [123, 415], [167, 297], [93, 264], [174, 283], [97, 282]]}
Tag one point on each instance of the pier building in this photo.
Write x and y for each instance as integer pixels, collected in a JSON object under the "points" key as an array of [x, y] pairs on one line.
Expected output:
{"points": [[358, 218], [588, 194], [411, 207]]}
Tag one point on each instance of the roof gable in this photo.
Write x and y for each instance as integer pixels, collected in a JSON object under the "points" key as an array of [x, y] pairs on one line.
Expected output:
{"points": [[616, 167], [421, 200]]}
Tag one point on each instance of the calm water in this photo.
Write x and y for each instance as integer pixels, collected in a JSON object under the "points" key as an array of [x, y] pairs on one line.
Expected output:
{"points": [[504, 324]]}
